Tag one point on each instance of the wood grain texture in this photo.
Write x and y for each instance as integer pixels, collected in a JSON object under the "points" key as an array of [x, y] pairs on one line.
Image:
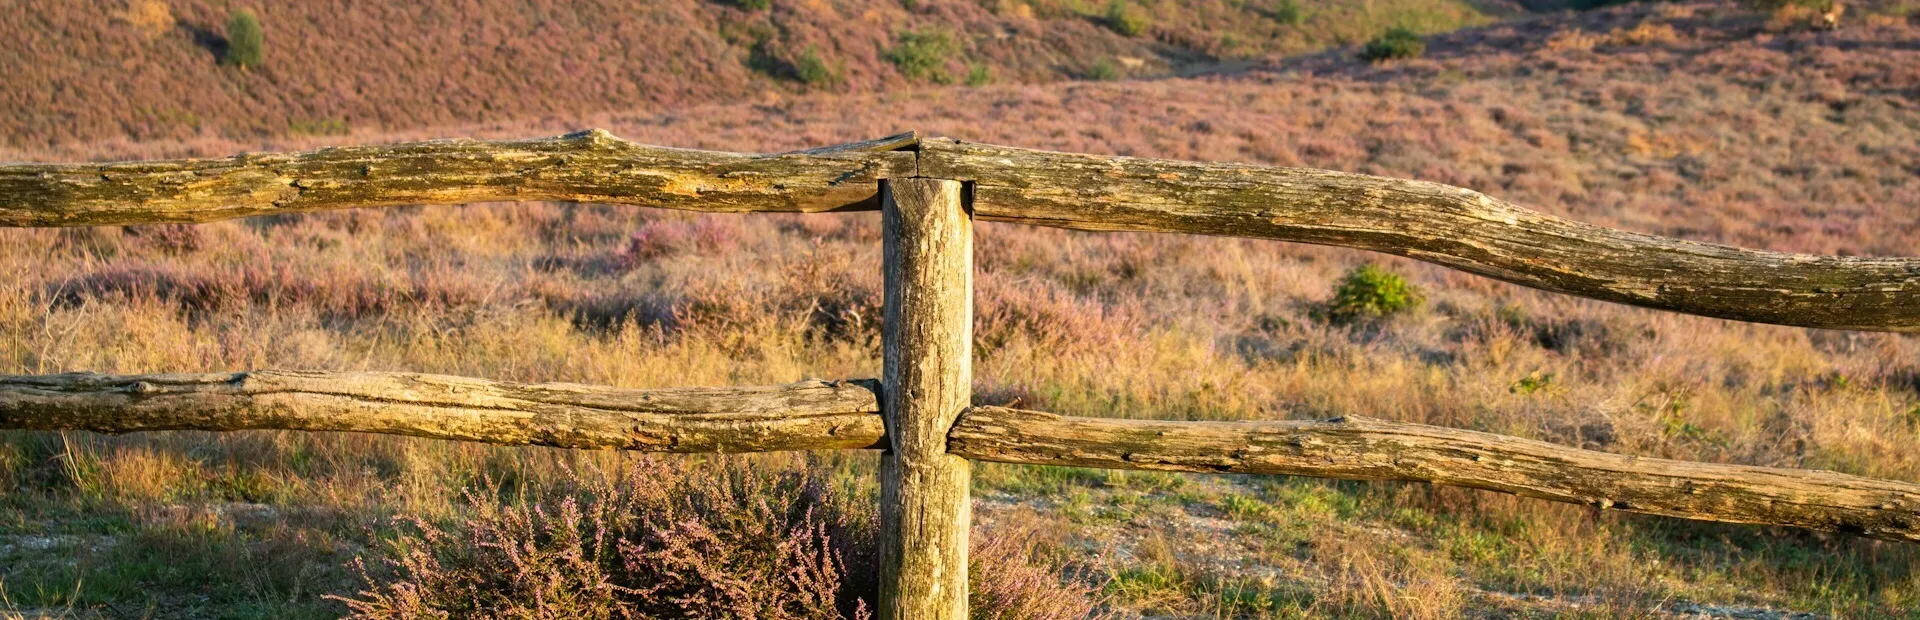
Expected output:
{"points": [[1367, 449], [589, 166], [1440, 224], [927, 345], [810, 415]]}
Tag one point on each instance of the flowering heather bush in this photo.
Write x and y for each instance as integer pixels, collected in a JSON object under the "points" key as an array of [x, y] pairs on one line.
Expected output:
{"points": [[1010, 582], [653, 240], [670, 539], [663, 541]]}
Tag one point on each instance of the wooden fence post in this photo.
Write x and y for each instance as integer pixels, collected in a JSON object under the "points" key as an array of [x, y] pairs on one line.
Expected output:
{"points": [[926, 382]]}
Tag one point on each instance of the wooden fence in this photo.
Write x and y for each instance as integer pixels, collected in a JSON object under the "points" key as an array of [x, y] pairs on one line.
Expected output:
{"points": [[929, 191]]}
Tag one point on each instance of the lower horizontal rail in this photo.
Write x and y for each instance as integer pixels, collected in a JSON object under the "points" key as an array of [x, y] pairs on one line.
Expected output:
{"points": [[810, 415], [820, 415], [1367, 449]]}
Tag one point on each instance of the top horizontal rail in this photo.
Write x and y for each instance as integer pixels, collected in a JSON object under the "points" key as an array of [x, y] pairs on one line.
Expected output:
{"points": [[1441, 224], [587, 166]]}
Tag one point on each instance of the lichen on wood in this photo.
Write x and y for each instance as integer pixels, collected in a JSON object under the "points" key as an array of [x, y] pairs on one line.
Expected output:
{"points": [[810, 415], [1368, 449], [1441, 224], [588, 166]]}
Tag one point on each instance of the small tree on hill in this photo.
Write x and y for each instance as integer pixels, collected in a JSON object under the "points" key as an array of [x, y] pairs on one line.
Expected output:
{"points": [[246, 43]]}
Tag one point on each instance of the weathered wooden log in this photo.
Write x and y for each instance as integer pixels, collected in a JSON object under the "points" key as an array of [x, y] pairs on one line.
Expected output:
{"points": [[927, 346], [589, 166], [1441, 224], [1367, 449], [810, 415]]}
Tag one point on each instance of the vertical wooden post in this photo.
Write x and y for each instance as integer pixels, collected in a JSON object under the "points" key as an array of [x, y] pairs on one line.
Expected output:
{"points": [[927, 380]]}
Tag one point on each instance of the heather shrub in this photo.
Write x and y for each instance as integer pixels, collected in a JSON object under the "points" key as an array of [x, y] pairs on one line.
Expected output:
{"points": [[1127, 18], [673, 539], [168, 238], [1369, 292], [1103, 70], [1397, 42], [246, 43], [665, 540], [1010, 579], [923, 55], [653, 240]]}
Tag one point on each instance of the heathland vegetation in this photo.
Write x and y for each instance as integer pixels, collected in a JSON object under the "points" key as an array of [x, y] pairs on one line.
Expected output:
{"points": [[152, 70], [1706, 121]]}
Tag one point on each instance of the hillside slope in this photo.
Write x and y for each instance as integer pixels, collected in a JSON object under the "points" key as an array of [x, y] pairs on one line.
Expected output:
{"points": [[150, 69]]}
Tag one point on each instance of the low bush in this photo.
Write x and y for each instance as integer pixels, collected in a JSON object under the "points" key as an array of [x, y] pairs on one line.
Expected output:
{"points": [[1396, 43], [1288, 12], [979, 75], [813, 70], [1103, 70], [1369, 292]]}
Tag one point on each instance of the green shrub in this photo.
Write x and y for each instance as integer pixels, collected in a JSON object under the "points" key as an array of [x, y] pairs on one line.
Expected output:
{"points": [[1396, 42], [1369, 292], [1289, 13], [923, 55], [813, 69], [979, 75], [246, 43], [1532, 383], [755, 5], [1127, 19], [1103, 70]]}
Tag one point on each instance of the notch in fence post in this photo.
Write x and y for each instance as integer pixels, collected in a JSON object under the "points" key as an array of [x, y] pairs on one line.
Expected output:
{"points": [[927, 344]]}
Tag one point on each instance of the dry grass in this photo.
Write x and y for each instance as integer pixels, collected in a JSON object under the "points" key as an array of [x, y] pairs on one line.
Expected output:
{"points": [[1795, 141]]}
